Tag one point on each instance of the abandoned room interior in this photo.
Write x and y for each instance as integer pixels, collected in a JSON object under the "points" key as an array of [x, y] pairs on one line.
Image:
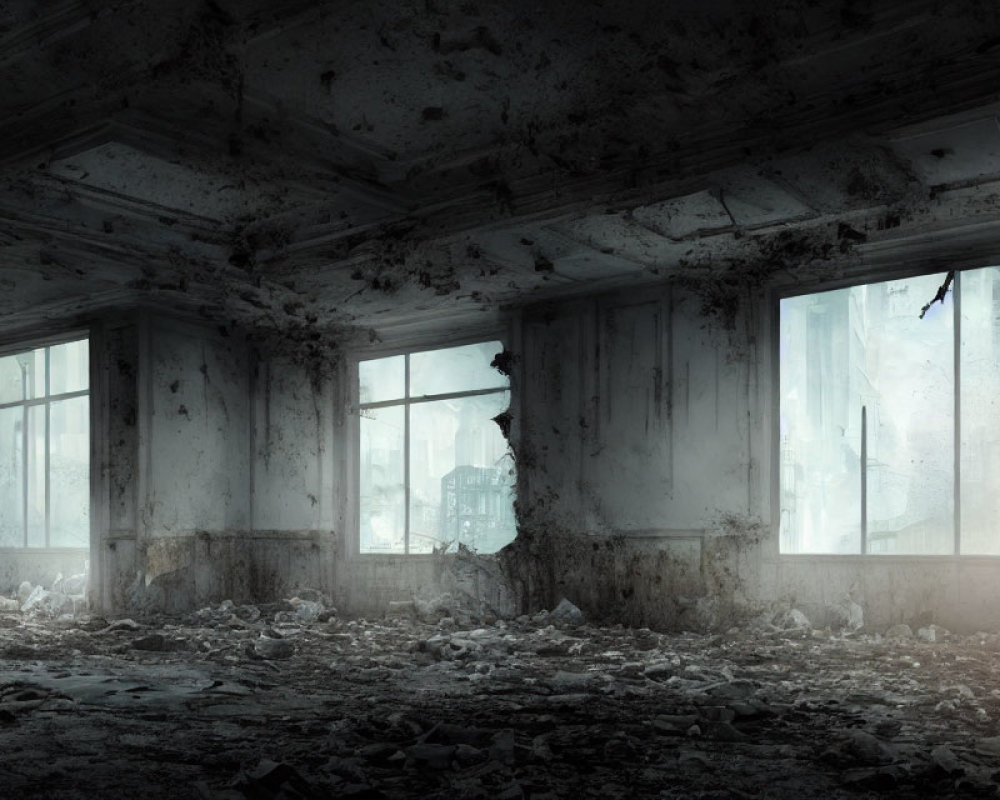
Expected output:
{"points": [[455, 399]]}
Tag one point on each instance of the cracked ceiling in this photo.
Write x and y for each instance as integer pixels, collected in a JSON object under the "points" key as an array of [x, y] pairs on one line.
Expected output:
{"points": [[368, 167]]}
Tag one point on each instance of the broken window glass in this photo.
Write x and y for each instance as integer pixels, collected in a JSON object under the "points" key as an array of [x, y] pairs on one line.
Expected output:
{"points": [[435, 469], [455, 369], [460, 475]]}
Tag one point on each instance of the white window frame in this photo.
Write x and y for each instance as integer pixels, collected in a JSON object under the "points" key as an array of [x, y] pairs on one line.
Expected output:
{"points": [[26, 346]]}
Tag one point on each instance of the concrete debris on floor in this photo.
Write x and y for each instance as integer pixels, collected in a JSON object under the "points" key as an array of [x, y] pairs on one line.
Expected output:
{"points": [[288, 700]]}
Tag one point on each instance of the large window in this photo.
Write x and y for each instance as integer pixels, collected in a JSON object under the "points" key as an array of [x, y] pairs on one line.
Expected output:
{"points": [[435, 469], [890, 418], [45, 447]]}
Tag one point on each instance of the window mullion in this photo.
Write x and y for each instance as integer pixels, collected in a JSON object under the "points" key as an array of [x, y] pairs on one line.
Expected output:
{"points": [[24, 465], [406, 457], [956, 289], [433, 398], [864, 480], [48, 443]]}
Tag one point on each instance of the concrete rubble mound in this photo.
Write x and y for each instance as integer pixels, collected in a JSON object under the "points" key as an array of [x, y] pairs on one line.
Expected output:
{"points": [[289, 700], [66, 596]]}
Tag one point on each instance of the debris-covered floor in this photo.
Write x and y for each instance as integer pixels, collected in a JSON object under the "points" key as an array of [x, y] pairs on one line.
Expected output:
{"points": [[290, 701]]}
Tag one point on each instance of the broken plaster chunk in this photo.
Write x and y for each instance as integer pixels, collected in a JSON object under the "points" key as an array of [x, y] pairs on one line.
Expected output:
{"points": [[693, 758], [946, 760], [307, 611], [435, 756], [124, 624], [900, 631], [266, 647], [674, 723], [274, 779], [989, 745], [847, 615], [564, 681], [9, 604], [35, 599], [24, 590], [865, 748], [793, 619], [566, 613], [155, 643]]}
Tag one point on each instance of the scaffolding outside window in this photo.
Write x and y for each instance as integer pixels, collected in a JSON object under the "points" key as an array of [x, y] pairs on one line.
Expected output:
{"points": [[435, 469], [45, 447], [888, 435]]}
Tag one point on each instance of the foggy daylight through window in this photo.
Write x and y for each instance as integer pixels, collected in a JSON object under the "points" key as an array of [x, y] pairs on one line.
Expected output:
{"points": [[45, 447], [868, 405], [435, 468]]}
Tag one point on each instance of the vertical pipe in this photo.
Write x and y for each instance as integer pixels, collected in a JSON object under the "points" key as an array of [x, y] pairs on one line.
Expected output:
{"points": [[956, 296], [864, 480], [406, 455]]}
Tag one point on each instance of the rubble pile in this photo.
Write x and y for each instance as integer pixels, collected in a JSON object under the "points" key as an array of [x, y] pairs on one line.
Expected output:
{"points": [[288, 700], [65, 596]]}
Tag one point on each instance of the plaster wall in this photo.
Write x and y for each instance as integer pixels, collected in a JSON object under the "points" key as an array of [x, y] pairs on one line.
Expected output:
{"points": [[197, 432], [224, 490], [638, 452], [294, 466]]}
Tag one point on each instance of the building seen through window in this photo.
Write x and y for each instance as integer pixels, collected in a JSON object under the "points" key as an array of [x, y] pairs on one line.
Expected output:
{"points": [[45, 447], [435, 469]]}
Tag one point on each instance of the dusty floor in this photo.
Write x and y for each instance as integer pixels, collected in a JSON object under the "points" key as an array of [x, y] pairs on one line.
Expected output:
{"points": [[216, 705]]}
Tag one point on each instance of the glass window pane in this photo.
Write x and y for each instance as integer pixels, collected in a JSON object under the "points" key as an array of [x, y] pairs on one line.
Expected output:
{"points": [[822, 382], [455, 369], [36, 476], [980, 364], [34, 362], [382, 503], [461, 482], [11, 380], [382, 379], [867, 347], [69, 367], [11, 477], [69, 465], [910, 362]]}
